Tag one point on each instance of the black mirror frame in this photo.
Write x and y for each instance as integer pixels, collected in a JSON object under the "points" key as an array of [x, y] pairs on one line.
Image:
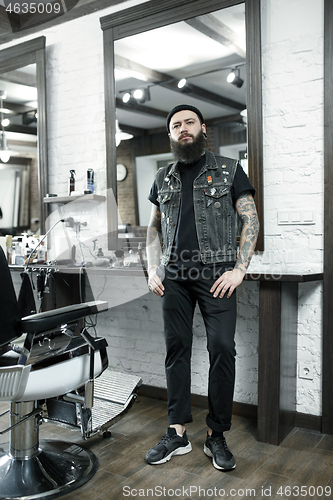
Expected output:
{"points": [[155, 14], [19, 56]]}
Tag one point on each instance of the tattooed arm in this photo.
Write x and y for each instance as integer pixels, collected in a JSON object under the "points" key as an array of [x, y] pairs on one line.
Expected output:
{"points": [[153, 249], [247, 212]]}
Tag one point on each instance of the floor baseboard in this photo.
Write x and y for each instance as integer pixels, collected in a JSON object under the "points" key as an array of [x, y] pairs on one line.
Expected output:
{"points": [[304, 420]]}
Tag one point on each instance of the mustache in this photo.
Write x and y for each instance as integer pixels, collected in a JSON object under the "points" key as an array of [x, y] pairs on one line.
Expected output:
{"points": [[185, 134]]}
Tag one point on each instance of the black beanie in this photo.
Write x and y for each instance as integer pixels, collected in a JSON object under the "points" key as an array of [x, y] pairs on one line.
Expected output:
{"points": [[182, 107]]}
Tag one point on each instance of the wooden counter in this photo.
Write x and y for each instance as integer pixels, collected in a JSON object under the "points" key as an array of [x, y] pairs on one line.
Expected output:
{"points": [[277, 356]]}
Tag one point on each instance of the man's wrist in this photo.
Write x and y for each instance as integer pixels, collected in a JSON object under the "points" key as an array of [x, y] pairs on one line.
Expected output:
{"points": [[241, 268]]}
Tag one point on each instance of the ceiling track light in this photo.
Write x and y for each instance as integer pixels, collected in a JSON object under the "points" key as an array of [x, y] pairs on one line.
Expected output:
{"points": [[184, 87], [140, 95], [126, 97], [130, 96], [234, 78]]}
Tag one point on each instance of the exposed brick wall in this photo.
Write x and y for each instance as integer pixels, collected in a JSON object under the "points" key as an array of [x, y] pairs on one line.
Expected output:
{"points": [[292, 61]]}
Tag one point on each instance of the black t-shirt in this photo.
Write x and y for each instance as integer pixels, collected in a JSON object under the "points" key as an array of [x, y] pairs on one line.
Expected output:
{"points": [[185, 260]]}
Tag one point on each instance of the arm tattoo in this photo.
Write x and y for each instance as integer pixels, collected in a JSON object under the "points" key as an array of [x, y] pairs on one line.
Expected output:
{"points": [[247, 212], [154, 236]]}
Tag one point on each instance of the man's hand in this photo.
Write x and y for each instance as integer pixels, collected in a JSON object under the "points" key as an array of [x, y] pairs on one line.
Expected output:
{"points": [[155, 284], [227, 283]]}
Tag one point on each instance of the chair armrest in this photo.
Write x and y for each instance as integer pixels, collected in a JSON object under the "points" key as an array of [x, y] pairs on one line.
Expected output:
{"points": [[63, 315]]}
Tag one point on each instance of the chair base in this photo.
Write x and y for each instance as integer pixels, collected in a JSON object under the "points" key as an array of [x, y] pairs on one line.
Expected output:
{"points": [[57, 469]]}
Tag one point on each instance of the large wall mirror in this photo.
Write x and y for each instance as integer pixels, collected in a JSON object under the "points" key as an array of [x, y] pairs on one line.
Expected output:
{"points": [[23, 154], [152, 48]]}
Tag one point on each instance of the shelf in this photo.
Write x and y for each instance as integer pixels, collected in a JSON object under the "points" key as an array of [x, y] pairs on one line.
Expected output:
{"points": [[80, 199]]}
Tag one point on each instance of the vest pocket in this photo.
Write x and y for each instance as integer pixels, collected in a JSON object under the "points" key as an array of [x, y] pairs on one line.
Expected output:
{"points": [[163, 198], [213, 194]]}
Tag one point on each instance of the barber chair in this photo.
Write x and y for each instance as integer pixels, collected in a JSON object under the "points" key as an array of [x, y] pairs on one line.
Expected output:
{"points": [[44, 356]]}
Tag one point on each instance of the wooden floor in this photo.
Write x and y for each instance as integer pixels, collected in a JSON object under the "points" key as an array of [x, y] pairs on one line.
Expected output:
{"points": [[304, 459]]}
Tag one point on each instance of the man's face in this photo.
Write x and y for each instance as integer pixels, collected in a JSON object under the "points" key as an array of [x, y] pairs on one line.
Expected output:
{"points": [[185, 126], [187, 141]]}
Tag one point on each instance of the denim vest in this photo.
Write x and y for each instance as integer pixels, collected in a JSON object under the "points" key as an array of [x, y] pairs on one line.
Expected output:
{"points": [[215, 216]]}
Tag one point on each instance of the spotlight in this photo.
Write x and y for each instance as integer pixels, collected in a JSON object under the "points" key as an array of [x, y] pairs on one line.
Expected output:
{"points": [[138, 94], [182, 83], [126, 97], [142, 95], [234, 78], [184, 87]]}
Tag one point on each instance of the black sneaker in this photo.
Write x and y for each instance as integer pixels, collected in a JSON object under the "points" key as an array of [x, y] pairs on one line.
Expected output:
{"points": [[170, 444], [218, 450]]}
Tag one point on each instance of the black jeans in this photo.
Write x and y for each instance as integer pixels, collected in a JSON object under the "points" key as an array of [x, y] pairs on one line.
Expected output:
{"points": [[219, 315]]}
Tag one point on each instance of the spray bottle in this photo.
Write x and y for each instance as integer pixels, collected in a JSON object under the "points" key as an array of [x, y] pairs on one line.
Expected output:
{"points": [[71, 182]]}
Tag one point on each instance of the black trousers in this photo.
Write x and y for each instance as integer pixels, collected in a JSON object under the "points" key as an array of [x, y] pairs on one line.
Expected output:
{"points": [[219, 315]]}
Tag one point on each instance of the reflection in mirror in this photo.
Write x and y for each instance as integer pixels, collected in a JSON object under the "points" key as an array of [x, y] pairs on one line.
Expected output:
{"points": [[22, 81], [15, 196], [19, 175], [187, 62], [163, 74]]}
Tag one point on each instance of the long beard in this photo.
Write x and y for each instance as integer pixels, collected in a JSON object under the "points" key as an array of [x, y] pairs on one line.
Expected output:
{"points": [[189, 152]]}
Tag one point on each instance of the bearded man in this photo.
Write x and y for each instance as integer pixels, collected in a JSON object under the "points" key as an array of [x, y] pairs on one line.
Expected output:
{"points": [[194, 205]]}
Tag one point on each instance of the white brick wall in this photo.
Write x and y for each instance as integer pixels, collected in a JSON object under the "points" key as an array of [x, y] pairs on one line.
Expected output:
{"points": [[293, 164], [292, 35]]}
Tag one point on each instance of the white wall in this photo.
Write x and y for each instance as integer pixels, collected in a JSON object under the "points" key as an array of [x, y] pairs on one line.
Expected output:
{"points": [[292, 36], [146, 168], [292, 39]]}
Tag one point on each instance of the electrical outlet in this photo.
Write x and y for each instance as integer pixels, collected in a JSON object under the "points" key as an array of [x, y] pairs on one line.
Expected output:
{"points": [[305, 371]]}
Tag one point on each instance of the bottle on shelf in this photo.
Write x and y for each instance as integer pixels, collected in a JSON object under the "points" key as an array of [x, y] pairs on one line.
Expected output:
{"points": [[71, 182], [19, 257], [90, 180]]}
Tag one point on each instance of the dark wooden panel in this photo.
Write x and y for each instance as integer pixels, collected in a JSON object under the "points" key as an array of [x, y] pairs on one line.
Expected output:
{"points": [[269, 361], [254, 108], [327, 376], [288, 358], [43, 176], [25, 50], [110, 138], [130, 21]]}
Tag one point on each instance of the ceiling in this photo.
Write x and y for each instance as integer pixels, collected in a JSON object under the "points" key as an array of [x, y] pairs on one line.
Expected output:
{"points": [[211, 44]]}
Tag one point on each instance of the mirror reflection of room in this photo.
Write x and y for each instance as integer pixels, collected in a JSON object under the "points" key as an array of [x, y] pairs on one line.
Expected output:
{"points": [[18, 154], [202, 64]]}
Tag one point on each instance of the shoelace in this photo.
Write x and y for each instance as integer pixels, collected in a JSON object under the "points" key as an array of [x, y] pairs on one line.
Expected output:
{"points": [[166, 438], [221, 441]]}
